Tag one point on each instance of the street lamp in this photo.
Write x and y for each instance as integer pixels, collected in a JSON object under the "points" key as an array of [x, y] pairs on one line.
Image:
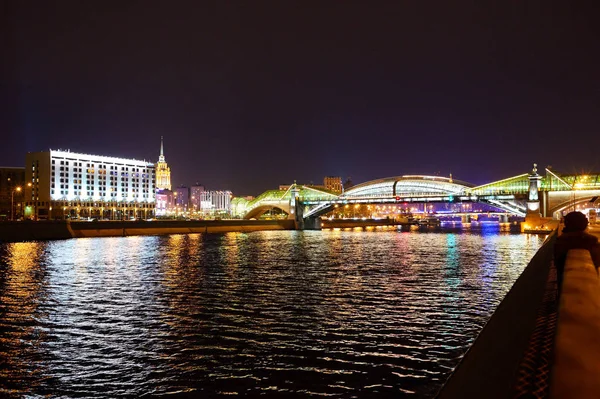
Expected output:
{"points": [[12, 202], [29, 185]]}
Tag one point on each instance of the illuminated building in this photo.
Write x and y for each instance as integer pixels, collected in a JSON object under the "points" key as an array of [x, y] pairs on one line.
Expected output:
{"points": [[182, 197], [163, 172], [10, 196], [215, 202], [164, 202], [195, 196], [333, 183], [65, 184]]}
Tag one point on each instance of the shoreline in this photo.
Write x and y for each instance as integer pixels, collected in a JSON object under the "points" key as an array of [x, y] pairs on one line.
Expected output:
{"points": [[61, 229]]}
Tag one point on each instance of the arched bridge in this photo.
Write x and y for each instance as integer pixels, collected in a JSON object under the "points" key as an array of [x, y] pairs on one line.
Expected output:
{"points": [[416, 189], [558, 193]]}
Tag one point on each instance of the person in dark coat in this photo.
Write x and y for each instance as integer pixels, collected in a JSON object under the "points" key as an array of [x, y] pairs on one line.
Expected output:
{"points": [[574, 237]]}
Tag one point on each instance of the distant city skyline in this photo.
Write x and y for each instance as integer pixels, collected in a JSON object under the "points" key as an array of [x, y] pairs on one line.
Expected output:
{"points": [[249, 97]]}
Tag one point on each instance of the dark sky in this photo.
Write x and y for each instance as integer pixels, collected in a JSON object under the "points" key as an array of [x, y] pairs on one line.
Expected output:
{"points": [[253, 94]]}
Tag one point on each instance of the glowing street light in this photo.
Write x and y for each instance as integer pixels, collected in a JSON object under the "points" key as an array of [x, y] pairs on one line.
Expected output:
{"points": [[12, 202]]}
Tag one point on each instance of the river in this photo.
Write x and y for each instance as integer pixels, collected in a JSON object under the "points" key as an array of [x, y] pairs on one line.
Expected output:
{"points": [[276, 313]]}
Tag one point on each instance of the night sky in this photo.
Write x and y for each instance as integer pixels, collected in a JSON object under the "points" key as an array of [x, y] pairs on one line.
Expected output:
{"points": [[253, 94]]}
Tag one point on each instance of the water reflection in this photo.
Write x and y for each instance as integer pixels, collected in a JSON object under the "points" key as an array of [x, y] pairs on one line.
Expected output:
{"points": [[22, 291], [340, 313]]}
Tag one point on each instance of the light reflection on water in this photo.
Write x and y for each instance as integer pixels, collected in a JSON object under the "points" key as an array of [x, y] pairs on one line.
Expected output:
{"points": [[337, 313]]}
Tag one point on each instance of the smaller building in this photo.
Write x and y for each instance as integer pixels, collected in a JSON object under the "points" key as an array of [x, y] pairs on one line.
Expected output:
{"points": [[196, 196], [348, 184], [181, 198], [216, 203], [333, 183], [12, 182], [164, 202]]}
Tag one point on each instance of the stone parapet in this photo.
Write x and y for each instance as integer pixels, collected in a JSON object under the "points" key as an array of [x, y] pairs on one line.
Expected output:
{"points": [[576, 371]]}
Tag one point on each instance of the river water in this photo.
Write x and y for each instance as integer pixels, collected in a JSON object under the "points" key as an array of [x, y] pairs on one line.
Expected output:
{"points": [[277, 313]]}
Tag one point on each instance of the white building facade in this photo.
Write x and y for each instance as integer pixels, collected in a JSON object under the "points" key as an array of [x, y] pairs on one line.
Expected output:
{"points": [[216, 203], [65, 184]]}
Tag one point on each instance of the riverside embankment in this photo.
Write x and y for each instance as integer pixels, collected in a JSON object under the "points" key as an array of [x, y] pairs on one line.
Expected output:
{"points": [[56, 230], [500, 355]]}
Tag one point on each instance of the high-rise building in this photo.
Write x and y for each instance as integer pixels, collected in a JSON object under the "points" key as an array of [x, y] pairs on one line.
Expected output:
{"points": [[163, 172], [181, 198], [12, 181], [333, 183], [65, 184], [195, 196]]}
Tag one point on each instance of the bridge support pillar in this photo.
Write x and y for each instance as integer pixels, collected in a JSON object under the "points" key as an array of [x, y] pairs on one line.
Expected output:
{"points": [[296, 208], [312, 223], [545, 199], [302, 223], [533, 219], [533, 200]]}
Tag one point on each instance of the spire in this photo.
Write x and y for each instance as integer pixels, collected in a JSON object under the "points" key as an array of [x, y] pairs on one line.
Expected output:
{"points": [[161, 158]]}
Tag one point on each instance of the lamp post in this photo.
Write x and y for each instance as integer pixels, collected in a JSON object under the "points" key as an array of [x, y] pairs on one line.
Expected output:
{"points": [[12, 202], [29, 185]]}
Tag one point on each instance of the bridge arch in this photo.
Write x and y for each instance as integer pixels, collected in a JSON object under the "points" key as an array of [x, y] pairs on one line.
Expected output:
{"points": [[256, 212], [281, 199], [570, 205], [409, 185]]}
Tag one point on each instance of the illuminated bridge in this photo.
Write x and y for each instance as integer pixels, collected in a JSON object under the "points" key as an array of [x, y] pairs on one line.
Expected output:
{"points": [[509, 196]]}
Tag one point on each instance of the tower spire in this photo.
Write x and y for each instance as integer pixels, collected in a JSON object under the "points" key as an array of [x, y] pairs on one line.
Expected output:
{"points": [[161, 158], [163, 172]]}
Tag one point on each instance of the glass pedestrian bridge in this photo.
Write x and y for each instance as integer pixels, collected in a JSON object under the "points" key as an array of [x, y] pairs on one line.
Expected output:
{"points": [[507, 195]]}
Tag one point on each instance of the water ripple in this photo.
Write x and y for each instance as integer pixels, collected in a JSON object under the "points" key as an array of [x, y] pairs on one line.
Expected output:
{"points": [[326, 314]]}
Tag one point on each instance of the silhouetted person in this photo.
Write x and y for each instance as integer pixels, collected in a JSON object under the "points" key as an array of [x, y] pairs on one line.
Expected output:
{"points": [[574, 237]]}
